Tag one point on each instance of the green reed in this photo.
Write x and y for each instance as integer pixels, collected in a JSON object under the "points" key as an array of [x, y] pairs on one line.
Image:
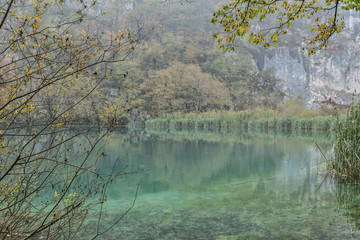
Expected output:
{"points": [[248, 119], [346, 160]]}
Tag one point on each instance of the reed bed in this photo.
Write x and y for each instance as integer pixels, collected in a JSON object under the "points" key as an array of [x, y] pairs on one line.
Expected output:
{"points": [[240, 120], [327, 123], [346, 160]]}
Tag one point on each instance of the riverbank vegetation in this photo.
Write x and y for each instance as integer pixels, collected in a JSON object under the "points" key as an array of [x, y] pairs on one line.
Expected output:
{"points": [[346, 160], [288, 116]]}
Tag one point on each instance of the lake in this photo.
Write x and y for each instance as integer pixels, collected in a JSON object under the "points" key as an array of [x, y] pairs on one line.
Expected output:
{"points": [[227, 186]]}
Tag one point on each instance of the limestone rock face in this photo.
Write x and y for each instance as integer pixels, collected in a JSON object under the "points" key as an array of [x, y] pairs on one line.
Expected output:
{"points": [[333, 72]]}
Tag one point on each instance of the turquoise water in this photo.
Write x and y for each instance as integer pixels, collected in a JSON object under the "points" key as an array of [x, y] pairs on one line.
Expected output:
{"points": [[220, 186]]}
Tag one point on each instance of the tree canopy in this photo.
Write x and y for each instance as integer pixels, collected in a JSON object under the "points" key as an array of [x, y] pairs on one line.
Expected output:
{"points": [[264, 22], [184, 88]]}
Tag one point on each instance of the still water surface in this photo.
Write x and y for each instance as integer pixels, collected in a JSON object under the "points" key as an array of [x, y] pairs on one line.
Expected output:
{"points": [[227, 186]]}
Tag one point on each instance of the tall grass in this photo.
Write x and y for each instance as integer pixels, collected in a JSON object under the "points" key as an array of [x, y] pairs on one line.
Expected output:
{"points": [[255, 119], [325, 123], [346, 159], [289, 115]]}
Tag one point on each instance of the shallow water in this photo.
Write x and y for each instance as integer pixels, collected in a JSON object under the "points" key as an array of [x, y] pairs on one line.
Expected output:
{"points": [[225, 187]]}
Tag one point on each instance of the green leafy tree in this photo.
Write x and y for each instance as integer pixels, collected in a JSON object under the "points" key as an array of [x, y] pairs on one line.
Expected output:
{"points": [[183, 88], [265, 22]]}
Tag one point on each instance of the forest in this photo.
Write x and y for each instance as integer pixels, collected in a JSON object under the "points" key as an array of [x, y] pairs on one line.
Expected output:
{"points": [[178, 67]]}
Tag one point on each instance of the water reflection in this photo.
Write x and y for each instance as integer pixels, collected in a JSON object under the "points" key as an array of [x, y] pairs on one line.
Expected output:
{"points": [[348, 197], [227, 186]]}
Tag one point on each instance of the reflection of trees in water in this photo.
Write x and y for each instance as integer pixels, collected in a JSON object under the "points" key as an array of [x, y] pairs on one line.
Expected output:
{"points": [[295, 178], [178, 161], [191, 162]]}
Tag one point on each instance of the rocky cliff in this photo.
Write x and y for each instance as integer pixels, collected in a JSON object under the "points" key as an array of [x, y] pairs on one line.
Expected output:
{"points": [[333, 72]]}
